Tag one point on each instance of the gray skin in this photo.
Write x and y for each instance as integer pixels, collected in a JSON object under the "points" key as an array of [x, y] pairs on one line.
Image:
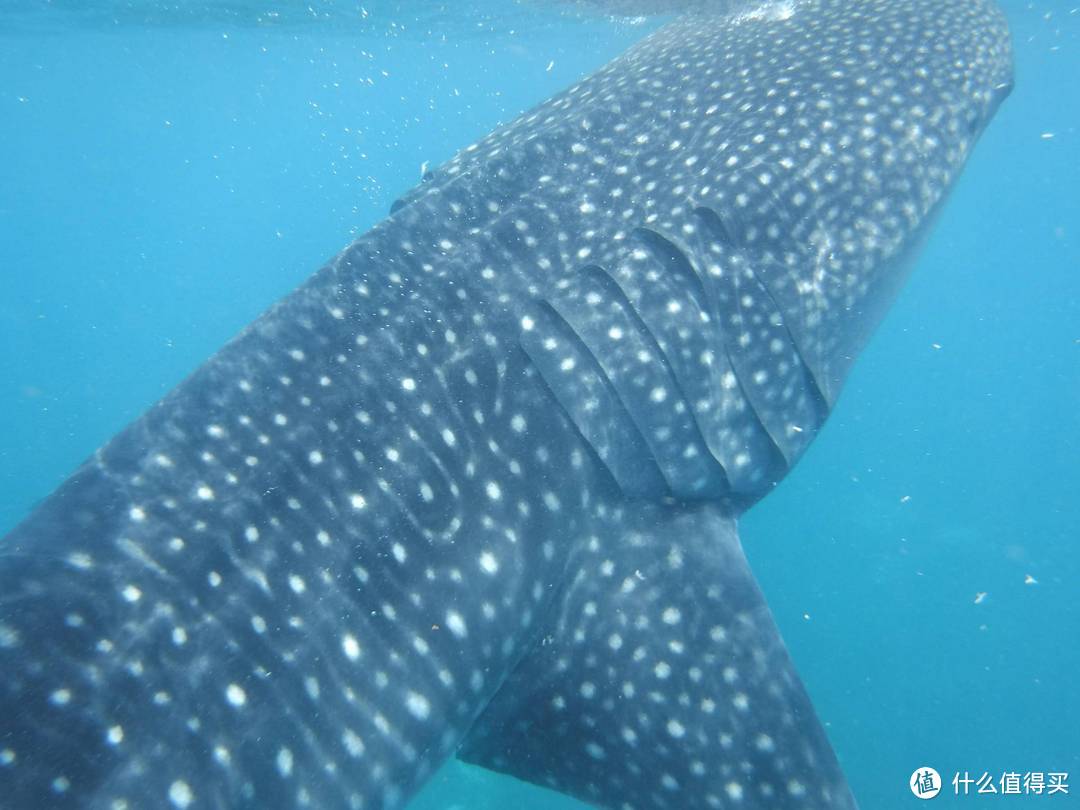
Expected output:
{"points": [[473, 487]]}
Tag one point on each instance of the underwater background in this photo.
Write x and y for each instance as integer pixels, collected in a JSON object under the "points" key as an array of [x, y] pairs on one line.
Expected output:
{"points": [[170, 169]]}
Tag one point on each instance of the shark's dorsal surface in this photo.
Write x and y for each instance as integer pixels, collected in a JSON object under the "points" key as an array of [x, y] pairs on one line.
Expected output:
{"points": [[473, 487]]}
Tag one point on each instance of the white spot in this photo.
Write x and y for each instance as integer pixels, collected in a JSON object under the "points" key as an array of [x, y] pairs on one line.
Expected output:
{"points": [[61, 697], [418, 705], [675, 728], [426, 492], [297, 584], [588, 690], [493, 491], [284, 762], [258, 624], [235, 694], [358, 501], [734, 791], [409, 384], [179, 636], [527, 323], [448, 437], [180, 794], [662, 670], [204, 493], [456, 624], [352, 742], [131, 594], [251, 534], [517, 423], [351, 647], [9, 637], [315, 457], [137, 513], [488, 563], [81, 560], [672, 616], [398, 551]]}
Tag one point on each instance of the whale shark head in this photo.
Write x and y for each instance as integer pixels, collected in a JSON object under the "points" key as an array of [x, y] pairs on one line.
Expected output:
{"points": [[473, 488]]}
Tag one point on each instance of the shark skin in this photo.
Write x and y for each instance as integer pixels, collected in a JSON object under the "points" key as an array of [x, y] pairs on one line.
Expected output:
{"points": [[473, 488]]}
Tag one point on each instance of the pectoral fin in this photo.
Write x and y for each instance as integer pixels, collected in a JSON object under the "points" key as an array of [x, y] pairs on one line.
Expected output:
{"points": [[662, 681]]}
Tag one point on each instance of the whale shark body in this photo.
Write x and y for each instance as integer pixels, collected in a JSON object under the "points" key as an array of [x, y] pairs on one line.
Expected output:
{"points": [[473, 488]]}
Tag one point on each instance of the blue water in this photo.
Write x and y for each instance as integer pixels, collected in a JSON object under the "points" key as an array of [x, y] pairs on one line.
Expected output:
{"points": [[169, 170]]}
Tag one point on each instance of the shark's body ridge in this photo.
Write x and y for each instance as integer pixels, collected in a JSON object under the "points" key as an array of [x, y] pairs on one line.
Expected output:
{"points": [[473, 487]]}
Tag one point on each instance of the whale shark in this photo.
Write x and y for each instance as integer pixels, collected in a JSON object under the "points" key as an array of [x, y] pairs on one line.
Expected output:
{"points": [[473, 489]]}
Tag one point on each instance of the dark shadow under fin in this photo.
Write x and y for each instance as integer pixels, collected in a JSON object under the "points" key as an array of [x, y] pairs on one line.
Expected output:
{"points": [[661, 682]]}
